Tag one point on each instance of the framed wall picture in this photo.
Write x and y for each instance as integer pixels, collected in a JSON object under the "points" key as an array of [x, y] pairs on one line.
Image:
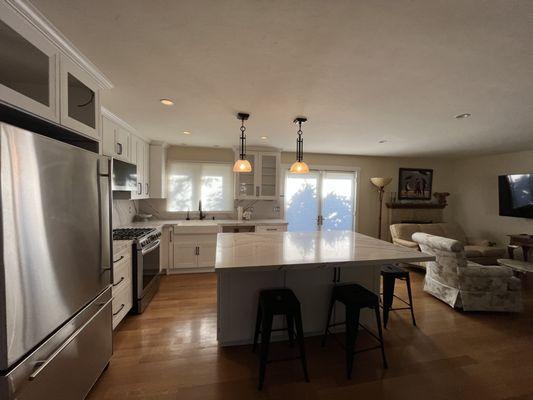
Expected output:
{"points": [[415, 184]]}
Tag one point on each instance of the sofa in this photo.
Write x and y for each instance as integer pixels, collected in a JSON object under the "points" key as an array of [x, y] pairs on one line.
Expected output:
{"points": [[463, 284], [477, 250]]}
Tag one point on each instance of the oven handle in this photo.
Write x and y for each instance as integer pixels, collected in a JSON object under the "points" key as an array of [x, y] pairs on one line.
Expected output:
{"points": [[151, 248]]}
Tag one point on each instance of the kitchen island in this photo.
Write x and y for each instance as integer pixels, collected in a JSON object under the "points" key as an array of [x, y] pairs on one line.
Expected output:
{"points": [[309, 263]]}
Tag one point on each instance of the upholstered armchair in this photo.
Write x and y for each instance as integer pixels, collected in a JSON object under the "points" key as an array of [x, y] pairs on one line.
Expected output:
{"points": [[478, 250], [465, 284]]}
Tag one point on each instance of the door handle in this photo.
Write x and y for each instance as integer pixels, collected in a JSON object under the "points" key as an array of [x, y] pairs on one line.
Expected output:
{"points": [[140, 191], [119, 148], [257, 190], [119, 310], [43, 364], [146, 189], [119, 282], [116, 261]]}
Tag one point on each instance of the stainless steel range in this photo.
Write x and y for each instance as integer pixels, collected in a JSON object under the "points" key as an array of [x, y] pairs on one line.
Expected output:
{"points": [[145, 258]]}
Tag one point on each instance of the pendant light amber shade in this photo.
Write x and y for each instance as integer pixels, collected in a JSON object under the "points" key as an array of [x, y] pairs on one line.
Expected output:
{"points": [[242, 166], [299, 167]]}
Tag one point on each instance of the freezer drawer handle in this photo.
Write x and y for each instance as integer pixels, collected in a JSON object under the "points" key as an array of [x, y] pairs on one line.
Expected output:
{"points": [[119, 310], [43, 364], [119, 282]]}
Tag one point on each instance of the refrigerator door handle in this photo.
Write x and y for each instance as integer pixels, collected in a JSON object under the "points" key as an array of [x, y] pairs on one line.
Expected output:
{"points": [[41, 365], [105, 223]]}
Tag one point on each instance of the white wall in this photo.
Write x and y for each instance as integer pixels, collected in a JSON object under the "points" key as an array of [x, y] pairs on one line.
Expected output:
{"points": [[474, 202]]}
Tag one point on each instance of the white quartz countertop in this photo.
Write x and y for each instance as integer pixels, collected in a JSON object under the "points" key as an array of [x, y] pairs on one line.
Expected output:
{"points": [[222, 222], [289, 250]]}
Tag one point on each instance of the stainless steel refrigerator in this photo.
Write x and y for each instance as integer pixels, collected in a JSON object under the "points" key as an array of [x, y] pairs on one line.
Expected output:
{"points": [[55, 297]]}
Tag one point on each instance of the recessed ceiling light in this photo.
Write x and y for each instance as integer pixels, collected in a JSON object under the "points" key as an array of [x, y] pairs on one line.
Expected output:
{"points": [[264, 137], [462, 116], [167, 102], [382, 141], [186, 132]]}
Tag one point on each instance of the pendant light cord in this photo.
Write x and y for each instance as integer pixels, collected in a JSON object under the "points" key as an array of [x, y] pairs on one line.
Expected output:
{"points": [[243, 140], [299, 143]]}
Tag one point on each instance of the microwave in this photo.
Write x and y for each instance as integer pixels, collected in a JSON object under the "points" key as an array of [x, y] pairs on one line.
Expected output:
{"points": [[124, 176]]}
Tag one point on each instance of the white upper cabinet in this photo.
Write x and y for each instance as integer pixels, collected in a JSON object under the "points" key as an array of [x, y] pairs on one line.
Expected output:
{"points": [[28, 67], [263, 182], [158, 173], [80, 100], [42, 73], [140, 157], [115, 139]]}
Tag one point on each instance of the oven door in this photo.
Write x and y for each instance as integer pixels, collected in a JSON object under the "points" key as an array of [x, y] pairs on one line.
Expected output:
{"points": [[147, 273]]}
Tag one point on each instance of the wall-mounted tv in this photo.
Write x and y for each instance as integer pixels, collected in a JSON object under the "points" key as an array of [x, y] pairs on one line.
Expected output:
{"points": [[516, 195]]}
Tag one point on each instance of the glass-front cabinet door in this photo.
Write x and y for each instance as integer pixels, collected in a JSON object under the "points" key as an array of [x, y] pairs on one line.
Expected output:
{"points": [[269, 173], [246, 181], [80, 100], [28, 67]]}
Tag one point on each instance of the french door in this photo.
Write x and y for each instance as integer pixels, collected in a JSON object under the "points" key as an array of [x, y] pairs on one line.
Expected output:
{"points": [[320, 200]]}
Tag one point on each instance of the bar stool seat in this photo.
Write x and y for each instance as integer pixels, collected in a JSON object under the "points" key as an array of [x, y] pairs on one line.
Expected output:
{"points": [[355, 297], [390, 273], [278, 302]]}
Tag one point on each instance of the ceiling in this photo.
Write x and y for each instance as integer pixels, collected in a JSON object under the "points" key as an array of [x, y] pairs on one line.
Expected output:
{"points": [[361, 71]]}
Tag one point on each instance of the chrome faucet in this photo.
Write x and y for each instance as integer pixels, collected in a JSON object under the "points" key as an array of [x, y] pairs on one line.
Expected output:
{"points": [[201, 214]]}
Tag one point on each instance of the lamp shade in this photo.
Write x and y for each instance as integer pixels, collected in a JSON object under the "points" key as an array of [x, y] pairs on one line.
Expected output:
{"points": [[380, 182], [299, 167], [242, 166]]}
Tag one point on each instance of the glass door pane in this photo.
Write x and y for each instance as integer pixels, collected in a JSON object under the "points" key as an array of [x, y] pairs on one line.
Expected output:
{"points": [[81, 102], [24, 68], [268, 175], [247, 179], [337, 200], [302, 201]]}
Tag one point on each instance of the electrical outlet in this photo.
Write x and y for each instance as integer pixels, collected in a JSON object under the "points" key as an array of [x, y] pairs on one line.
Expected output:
{"points": [[276, 209]]}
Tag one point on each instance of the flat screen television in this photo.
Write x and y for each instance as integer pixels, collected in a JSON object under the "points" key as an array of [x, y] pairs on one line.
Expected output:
{"points": [[516, 195]]}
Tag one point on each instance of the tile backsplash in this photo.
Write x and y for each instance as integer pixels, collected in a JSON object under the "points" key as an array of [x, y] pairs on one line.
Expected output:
{"points": [[123, 212], [262, 209]]}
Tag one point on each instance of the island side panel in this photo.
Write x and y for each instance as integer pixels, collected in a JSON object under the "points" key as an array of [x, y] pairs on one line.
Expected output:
{"points": [[238, 294]]}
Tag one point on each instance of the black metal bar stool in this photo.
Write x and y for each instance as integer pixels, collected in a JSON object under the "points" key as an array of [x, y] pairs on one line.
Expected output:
{"points": [[390, 273], [278, 302], [355, 297]]}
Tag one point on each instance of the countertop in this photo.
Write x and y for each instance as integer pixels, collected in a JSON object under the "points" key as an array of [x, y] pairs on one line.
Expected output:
{"points": [[222, 222], [290, 250]]}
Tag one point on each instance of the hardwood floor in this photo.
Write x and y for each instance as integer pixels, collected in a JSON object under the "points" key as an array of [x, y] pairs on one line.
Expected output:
{"points": [[171, 352]]}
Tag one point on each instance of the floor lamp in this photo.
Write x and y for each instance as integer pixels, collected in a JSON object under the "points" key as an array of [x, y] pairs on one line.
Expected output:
{"points": [[380, 183]]}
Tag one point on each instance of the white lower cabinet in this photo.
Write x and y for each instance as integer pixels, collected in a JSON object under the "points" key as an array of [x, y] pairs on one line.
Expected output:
{"points": [[194, 251], [122, 289]]}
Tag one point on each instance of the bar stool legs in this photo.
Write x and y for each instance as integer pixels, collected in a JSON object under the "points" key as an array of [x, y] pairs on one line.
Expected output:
{"points": [[355, 297], [278, 302], [390, 273]]}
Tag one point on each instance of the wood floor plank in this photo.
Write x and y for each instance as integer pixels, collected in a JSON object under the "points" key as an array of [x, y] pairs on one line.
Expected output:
{"points": [[171, 352]]}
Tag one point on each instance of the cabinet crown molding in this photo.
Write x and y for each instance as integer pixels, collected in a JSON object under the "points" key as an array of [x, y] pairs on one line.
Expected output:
{"points": [[29, 12]]}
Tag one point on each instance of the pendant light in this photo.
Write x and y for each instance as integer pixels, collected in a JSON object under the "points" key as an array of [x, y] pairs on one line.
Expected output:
{"points": [[299, 167], [242, 164]]}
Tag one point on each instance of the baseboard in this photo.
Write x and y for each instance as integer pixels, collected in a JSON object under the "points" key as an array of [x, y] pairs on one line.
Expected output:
{"points": [[177, 271]]}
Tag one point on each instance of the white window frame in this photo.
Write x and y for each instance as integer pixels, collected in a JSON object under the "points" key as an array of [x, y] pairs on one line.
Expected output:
{"points": [[328, 168], [180, 213]]}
